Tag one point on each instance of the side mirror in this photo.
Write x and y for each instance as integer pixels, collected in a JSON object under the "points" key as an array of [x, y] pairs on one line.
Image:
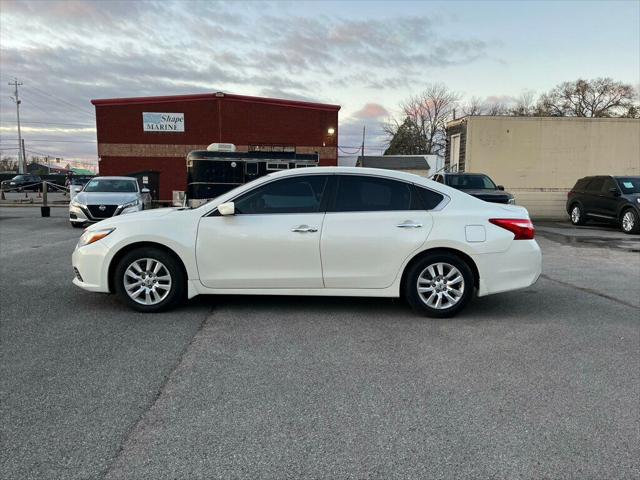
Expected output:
{"points": [[227, 209], [500, 187], [615, 191], [77, 189], [145, 190]]}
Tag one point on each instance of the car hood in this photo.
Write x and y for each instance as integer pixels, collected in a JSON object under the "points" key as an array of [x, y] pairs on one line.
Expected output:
{"points": [[101, 198], [135, 217], [487, 193]]}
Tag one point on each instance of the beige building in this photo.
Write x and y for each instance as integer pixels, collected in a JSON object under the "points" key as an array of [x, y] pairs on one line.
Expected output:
{"points": [[416, 164], [539, 159]]}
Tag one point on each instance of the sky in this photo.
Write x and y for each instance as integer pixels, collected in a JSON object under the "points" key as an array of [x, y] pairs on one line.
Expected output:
{"points": [[365, 56]]}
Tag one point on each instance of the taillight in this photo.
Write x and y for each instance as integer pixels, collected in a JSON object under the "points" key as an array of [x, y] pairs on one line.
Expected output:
{"points": [[521, 228], [569, 193]]}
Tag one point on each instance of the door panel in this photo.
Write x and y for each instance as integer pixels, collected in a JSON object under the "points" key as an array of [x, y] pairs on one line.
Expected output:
{"points": [[367, 249], [260, 251]]}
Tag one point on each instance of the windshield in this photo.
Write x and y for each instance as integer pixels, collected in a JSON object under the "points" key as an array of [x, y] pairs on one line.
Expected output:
{"points": [[111, 186], [471, 182], [19, 177], [629, 184]]}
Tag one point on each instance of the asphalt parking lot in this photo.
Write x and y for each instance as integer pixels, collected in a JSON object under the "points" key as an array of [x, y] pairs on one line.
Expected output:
{"points": [[538, 383]]}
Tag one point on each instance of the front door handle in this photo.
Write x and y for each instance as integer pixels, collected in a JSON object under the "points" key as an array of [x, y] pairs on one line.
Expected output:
{"points": [[409, 224], [304, 229]]}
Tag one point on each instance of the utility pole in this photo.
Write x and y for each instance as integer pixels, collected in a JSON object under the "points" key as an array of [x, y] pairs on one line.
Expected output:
{"points": [[363, 130], [22, 161]]}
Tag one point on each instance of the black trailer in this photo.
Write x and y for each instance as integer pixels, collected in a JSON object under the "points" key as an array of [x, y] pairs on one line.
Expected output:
{"points": [[211, 173]]}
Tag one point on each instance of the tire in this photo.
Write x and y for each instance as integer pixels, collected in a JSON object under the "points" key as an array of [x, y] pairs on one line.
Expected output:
{"points": [[439, 266], [163, 298], [576, 214], [629, 221]]}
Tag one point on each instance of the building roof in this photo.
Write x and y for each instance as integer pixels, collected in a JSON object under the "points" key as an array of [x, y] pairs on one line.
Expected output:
{"points": [[526, 118], [395, 162], [210, 96]]}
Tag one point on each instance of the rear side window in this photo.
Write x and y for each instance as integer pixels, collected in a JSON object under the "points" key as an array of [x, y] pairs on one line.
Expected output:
{"points": [[371, 194], [582, 183], [428, 199], [595, 185], [289, 195]]}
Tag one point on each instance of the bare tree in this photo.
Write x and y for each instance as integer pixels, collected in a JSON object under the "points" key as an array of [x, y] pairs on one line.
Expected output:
{"points": [[428, 114], [525, 104], [601, 97], [475, 106]]}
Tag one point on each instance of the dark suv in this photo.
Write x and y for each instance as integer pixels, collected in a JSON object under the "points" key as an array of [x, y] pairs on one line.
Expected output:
{"points": [[23, 182], [606, 198], [477, 184]]}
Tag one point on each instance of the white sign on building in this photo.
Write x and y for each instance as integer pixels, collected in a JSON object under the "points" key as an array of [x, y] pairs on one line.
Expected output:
{"points": [[162, 122]]}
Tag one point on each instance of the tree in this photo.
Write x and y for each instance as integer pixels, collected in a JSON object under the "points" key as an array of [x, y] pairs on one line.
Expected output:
{"points": [[525, 104], [425, 117], [405, 139], [475, 106], [600, 97]]}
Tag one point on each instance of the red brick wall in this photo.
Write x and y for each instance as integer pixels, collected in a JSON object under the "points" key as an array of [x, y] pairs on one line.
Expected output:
{"points": [[124, 147]]}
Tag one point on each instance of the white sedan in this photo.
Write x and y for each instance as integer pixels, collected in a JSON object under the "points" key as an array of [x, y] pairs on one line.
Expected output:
{"points": [[330, 231]]}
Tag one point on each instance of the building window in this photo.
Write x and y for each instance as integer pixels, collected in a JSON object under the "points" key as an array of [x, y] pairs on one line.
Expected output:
{"points": [[277, 166]]}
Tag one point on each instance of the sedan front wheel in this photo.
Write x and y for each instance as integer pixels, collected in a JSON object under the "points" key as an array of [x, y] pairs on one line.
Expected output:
{"points": [[150, 280]]}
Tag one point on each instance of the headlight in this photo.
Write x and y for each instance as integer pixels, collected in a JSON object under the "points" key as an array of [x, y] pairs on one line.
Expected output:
{"points": [[638, 200], [512, 201], [92, 236], [76, 203], [130, 204]]}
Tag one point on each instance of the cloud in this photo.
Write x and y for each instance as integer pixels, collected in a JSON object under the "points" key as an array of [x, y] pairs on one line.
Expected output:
{"points": [[371, 111], [76, 51]]}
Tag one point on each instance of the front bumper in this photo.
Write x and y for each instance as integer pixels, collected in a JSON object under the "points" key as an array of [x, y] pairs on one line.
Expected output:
{"points": [[81, 214], [91, 267], [518, 267]]}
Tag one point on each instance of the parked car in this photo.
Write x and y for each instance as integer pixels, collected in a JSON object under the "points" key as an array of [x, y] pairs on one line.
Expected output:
{"points": [[24, 182], [614, 199], [105, 197], [332, 231], [476, 184], [77, 183]]}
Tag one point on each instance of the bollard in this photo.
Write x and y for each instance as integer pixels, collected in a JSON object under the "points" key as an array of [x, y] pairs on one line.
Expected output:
{"points": [[2, 197], [45, 209]]}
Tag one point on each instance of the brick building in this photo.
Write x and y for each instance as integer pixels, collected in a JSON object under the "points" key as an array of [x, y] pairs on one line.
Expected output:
{"points": [[154, 134]]}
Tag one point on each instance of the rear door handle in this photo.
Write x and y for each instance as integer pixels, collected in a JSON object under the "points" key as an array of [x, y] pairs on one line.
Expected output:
{"points": [[304, 229], [409, 224]]}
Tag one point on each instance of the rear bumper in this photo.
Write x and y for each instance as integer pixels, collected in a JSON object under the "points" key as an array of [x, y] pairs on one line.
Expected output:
{"points": [[519, 267]]}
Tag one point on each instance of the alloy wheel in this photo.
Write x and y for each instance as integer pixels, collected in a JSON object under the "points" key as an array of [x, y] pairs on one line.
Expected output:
{"points": [[628, 221], [575, 214], [440, 285], [147, 281]]}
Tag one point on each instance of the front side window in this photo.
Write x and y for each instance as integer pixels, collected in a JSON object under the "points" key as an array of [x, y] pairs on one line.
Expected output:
{"points": [[471, 182], [111, 186], [371, 194], [290, 195], [608, 184]]}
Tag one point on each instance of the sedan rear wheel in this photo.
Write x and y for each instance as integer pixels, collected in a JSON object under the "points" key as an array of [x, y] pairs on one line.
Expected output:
{"points": [[150, 280], [439, 285]]}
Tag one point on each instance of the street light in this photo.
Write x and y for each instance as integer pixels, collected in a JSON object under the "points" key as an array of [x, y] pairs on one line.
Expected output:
{"points": [[331, 131]]}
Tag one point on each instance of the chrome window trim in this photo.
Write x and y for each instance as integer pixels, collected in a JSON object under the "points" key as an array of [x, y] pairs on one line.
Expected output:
{"points": [[445, 200]]}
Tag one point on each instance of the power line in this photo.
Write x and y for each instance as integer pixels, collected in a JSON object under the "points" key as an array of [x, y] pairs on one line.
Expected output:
{"points": [[50, 96]]}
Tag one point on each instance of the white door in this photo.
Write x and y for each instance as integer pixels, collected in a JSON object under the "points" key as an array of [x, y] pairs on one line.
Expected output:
{"points": [[372, 227], [454, 161], [273, 240]]}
